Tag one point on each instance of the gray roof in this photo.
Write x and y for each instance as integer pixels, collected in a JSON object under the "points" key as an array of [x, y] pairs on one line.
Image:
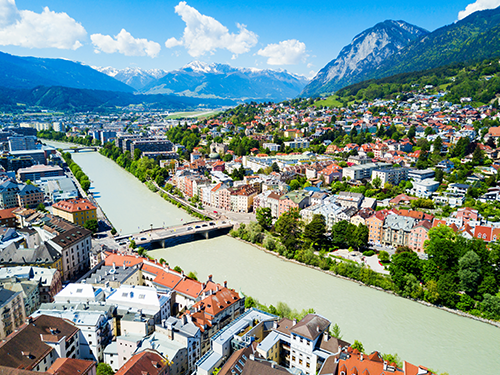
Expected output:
{"points": [[41, 254], [311, 326], [397, 222]]}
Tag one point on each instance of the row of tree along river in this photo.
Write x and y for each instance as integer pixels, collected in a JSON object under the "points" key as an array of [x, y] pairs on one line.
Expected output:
{"points": [[423, 335]]}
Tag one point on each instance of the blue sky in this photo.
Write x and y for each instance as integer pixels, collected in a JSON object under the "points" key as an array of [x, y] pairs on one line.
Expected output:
{"points": [[300, 36]]}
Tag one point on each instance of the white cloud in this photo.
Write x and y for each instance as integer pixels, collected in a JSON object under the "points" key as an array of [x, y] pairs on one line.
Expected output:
{"points": [[286, 52], [478, 5], [38, 30], [125, 44], [204, 34]]}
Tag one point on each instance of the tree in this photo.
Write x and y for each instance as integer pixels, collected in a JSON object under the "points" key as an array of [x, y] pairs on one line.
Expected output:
{"points": [[227, 158], [360, 236], [412, 131], [314, 232], [264, 217], [358, 345], [178, 269], [384, 256], [477, 156], [439, 175], [192, 275], [469, 272], [438, 145], [377, 182], [275, 167], [160, 180], [338, 233], [335, 332], [406, 263], [288, 227], [294, 185], [92, 225], [132, 244], [104, 369], [113, 231], [41, 207]]}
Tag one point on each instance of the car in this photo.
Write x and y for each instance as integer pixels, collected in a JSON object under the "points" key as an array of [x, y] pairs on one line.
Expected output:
{"points": [[204, 225], [215, 212], [143, 238], [189, 228], [197, 227], [122, 243], [211, 223]]}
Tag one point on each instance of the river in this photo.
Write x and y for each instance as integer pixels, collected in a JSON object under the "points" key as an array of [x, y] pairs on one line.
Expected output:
{"points": [[421, 335]]}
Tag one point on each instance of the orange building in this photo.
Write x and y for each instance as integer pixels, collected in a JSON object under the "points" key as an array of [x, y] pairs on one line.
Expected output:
{"points": [[77, 211]]}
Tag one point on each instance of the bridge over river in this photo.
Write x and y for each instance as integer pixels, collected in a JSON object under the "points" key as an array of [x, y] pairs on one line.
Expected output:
{"points": [[156, 238]]}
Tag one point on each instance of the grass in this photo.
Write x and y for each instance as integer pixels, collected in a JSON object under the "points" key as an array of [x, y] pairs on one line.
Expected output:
{"points": [[178, 115], [331, 101]]}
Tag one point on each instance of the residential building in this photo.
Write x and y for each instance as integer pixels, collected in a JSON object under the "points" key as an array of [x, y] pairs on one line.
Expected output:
{"points": [[72, 242], [142, 298], [95, 324], [77, 211], [48, 279], [396, 230], [72, 366], [175, 355], [148, 362], [418, 175], [351, 361], [252, 323], [29, 196], [361, 216], [424, 188], [391, 176], [12, 310], [39, 342], [8, 194], [293, 199], [362, 171], [186, 333], [348, 199], [39, 171], [17, 143], [7, 218], [358, 159], [418, 235], [29, 291], [271, 146]]}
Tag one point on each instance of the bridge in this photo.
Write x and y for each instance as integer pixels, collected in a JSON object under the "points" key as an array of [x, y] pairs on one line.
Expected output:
{"points": [[82, 148], [163, 237]]}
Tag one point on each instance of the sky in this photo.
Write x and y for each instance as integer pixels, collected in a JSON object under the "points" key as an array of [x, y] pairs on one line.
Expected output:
{"points": [[299, 36]]}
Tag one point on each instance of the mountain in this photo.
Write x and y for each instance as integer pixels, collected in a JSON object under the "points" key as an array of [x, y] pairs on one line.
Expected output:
{"points": [[202, 80], [475, 37], [364, 54], [69, 99], [134, 77], [29, 72]]}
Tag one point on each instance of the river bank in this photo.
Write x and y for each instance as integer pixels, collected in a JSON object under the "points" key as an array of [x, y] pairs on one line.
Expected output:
{"points": [[443, 308]]}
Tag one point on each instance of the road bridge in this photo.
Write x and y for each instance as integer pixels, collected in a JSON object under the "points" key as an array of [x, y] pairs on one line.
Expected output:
{"points": [[163, 237], [82, 148]]}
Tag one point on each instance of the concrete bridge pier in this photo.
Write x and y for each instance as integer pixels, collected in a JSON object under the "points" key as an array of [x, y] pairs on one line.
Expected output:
{"points": [[207, 235]]}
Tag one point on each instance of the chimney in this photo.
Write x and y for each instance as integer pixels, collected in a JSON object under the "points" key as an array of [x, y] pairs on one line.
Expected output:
{"points": [[294, 322], [252, 357], [182, 273], [123, 265], [325, 335], [209, 277], [184, 319], [317, 329], [385, 366], [114, 266], [275, 324], [361, 356], [225, 284]]}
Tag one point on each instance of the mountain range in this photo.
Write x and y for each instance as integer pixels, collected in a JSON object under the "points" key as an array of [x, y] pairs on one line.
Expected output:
{"points": [[381, 51], [365, 53], [202, 80], [29, 72]]}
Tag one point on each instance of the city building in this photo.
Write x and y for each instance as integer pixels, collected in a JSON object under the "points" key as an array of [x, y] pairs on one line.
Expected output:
{"points": [[12, 311], [148, 362], [18, 143], [29, 196], [39, 171], [77, 211], [39, 342]]}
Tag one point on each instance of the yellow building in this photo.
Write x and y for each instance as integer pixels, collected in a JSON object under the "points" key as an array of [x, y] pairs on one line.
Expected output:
{"points": [[77, 211]]}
